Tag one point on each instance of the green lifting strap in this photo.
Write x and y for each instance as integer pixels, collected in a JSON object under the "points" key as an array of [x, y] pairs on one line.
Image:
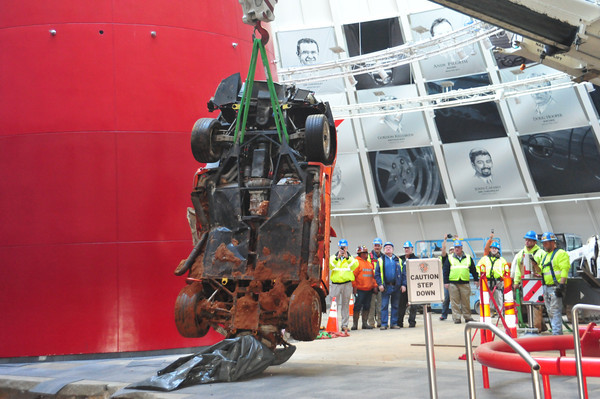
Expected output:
{"points": [[247, 94]]}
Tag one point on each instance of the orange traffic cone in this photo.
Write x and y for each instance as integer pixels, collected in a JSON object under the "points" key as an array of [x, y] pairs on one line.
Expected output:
{"points": [[332, 321], [351, 305], [484, 304], [509, 304]]}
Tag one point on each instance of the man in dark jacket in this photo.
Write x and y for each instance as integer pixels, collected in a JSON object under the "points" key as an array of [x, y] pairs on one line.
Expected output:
{"points": [[409, 253], [391, 281]]}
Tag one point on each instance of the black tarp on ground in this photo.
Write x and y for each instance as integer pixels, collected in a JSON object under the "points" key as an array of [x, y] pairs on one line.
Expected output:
{"points": [[229, 360]]}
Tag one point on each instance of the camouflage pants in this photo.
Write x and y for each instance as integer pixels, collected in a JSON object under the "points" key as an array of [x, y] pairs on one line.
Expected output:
{"points": [[554, 307]]}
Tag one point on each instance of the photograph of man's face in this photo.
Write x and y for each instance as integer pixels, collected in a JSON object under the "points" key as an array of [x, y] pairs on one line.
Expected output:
{"points": [[307, 50], [546, 109], [440, 26], [543, 98], [481, 161]]}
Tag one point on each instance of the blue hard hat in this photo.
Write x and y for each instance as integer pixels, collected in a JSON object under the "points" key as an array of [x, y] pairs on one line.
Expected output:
{"points": [[531, 235], [457, 243], [377, 241], [343, 243], [496, 245], [549, 236], [408, 244], [388, 243]]}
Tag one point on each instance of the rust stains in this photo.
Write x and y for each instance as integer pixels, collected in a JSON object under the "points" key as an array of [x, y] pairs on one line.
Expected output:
{"points": [[223, 254], [262, 272], [265, 251], [262, 209], [198, 267], [308, 207], [246, 314], [275, 300]]}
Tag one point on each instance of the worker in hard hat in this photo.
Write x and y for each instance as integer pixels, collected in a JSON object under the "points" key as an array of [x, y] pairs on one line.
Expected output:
{"points": [[409, 253], [555, 265], [391, 282], [528, 258], [493, 266], [375, 309], [443, 257], [457, 270], [341, 267], [363, 286]]}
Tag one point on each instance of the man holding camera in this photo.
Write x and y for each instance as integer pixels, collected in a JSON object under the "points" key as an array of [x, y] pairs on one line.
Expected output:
{"points": [[555, 266]]}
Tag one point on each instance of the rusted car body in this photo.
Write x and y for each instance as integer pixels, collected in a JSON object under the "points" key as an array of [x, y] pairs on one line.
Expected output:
{"points": [[263, 218]]}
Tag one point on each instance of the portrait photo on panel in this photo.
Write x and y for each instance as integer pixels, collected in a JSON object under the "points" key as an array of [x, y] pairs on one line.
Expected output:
{"points": [[483, 170], [406, 177], [467, 122], [465, 60], [308, 47], [371, 36], [545, 109], [347, 184], [395, 129], [564, 161]]}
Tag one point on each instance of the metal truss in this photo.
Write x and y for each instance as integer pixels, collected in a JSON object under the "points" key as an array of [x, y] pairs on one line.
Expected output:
{"points": [[377, 62], [454, 98]]}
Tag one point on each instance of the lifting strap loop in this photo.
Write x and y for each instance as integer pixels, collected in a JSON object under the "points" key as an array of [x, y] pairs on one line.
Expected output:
{"points": [[257, 47]]}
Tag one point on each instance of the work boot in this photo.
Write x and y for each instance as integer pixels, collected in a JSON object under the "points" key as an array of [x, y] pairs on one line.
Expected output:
{"points": [[355, 317], [365, 323]]}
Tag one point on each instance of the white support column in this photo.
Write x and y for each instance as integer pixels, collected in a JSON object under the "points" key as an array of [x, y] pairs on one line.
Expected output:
{"points": [[538, 207], [357, 127], [459, 223], [509, 241]]}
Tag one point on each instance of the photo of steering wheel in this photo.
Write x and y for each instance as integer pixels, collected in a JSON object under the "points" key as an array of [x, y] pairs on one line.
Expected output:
{"points": [[570, 156], [406, 177]]}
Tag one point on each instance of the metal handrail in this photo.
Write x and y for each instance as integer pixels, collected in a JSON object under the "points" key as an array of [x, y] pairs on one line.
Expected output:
{"points": [[577, 342], [535, 366]]}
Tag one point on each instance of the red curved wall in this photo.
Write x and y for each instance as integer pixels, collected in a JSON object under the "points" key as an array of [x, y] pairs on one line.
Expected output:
{"points": [[96, 168]]}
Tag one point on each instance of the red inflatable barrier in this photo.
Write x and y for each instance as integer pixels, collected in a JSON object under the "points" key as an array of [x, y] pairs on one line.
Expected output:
{"points": [[499, 355]]}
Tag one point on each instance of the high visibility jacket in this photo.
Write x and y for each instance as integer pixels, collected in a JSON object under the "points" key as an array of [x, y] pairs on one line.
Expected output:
{"points": [[560, 263], [537, 254], [342, 269], [493, 266], [459, 269], [364, 275]]}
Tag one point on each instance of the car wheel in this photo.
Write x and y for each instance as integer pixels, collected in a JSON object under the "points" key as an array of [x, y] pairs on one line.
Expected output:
{"points": [[186, 320], [304, 313], [406, 177], [204, 147], [317, 139]]}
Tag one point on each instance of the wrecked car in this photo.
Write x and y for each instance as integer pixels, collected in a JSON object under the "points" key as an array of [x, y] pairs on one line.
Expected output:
{"points": [[260, 264]]}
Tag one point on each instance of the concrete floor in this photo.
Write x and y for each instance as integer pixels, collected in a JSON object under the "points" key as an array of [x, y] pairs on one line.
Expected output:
{"points": [[369, 363]]}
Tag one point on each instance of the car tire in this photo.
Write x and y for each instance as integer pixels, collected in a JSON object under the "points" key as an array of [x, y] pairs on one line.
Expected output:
{"points": [[203, 143], [186, 319], [318, 139], [304, 313]]}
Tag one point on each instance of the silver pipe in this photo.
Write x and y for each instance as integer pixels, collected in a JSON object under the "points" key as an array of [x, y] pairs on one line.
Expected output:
{"points": [[577, 342], [430, 354], [535, 367]]}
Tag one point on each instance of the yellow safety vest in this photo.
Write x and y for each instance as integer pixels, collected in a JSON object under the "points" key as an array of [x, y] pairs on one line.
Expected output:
{"points": [[342, 269], [537, 253], [492, 264], [459, 269], [559, 262]]}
